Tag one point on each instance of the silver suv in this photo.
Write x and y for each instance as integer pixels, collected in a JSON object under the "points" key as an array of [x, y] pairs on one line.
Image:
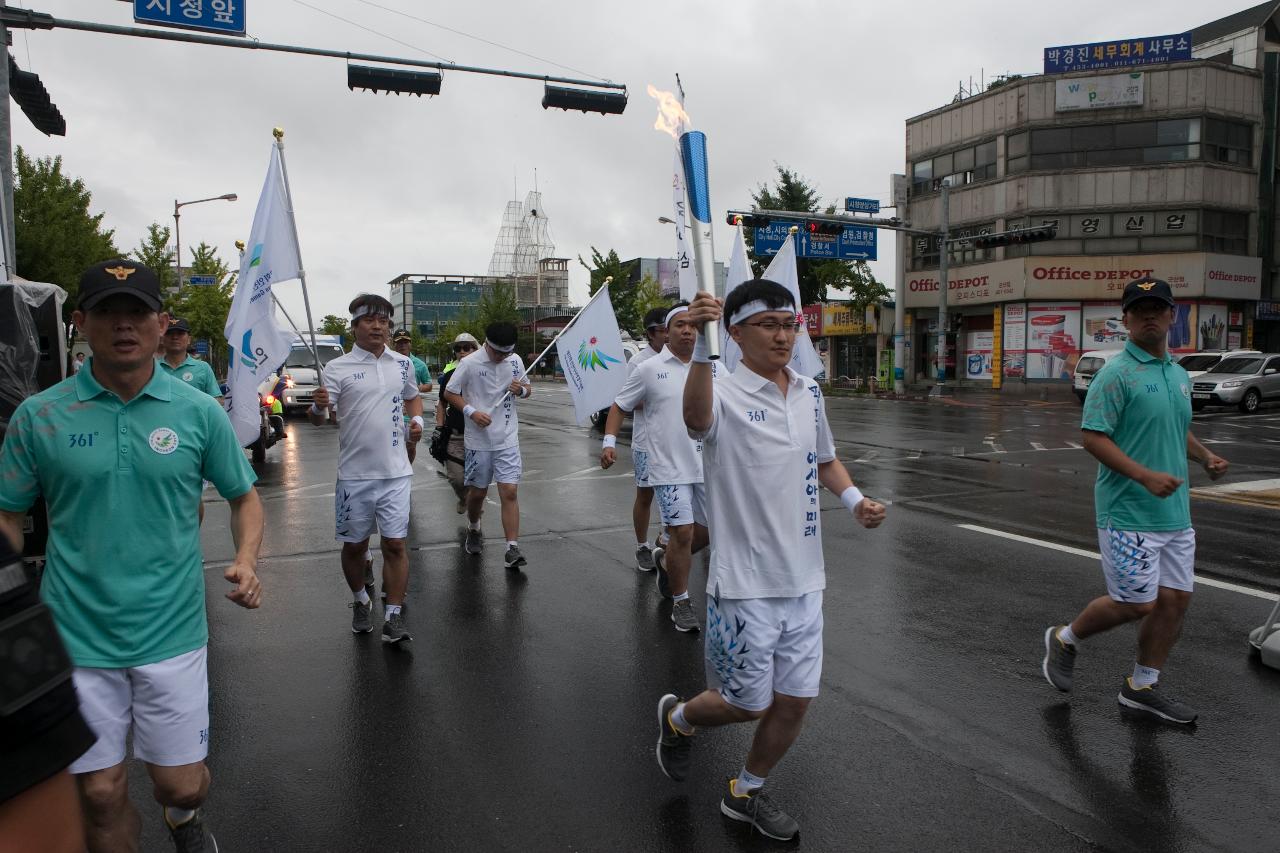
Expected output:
{"points": [[1241, 380]]}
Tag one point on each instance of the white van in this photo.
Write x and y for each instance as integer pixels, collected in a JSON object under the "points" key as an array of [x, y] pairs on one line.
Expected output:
{"points": [[1089, 364]]}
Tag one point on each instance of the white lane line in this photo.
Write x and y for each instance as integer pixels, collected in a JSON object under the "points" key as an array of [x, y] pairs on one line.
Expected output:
{"points": [[1035, 445], [867, 457], [1094, 555], [579, 473], [1074, 446], [995, 448]]}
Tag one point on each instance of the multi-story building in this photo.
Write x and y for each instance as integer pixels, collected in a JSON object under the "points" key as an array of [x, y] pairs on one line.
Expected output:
{"points": [[1164, 169], [666, 271]]}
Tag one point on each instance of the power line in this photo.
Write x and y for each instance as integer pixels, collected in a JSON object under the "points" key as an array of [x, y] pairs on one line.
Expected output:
{"points": [[371, 30]]}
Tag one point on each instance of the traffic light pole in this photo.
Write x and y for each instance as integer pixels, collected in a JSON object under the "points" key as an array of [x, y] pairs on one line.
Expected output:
{"points": [[944, 251]]}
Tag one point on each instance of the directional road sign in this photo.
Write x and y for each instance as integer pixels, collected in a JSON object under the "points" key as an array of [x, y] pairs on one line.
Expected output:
{"points": [[219, 16], [862, 205], [202, 347], [855, 243], [204, 280]]}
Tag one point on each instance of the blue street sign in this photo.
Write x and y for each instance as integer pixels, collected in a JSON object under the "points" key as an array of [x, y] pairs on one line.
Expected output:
{"points": [[219, 16], [1124, 53], [770, 239], [862, 205], [855, 243], [204, 280], [202, 347]]}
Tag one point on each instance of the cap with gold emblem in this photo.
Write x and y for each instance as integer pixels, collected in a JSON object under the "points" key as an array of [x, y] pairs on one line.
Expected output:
{"points": [[1146, 288], [118, 276]]}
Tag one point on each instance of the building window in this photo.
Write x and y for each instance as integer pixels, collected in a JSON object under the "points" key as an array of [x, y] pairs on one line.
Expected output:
{"points": [[974, 163], [1227, 233], [1130, 144], [1228, 142]]}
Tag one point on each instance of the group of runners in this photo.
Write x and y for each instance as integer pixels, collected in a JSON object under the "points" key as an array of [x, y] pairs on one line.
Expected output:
{"points": [[736, 461]]}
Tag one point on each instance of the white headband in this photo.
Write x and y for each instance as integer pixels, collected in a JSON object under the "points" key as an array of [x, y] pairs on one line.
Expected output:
{"points": [[673, 312], [366, 309], [507, 348], [752, 308]]}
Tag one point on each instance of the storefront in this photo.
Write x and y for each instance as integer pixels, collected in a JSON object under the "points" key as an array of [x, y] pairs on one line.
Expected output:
{"points": [[1050, 310], [850, 342]]}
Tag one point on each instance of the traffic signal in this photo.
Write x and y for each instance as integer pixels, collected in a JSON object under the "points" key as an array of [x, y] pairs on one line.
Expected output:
{"points": [[829, 229], [33, 98], [748, 220], [1016, 237], [393, 80], [584, 100]]}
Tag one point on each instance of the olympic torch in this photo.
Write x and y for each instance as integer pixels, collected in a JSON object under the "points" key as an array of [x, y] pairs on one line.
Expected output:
{"points": [[693, 156]]}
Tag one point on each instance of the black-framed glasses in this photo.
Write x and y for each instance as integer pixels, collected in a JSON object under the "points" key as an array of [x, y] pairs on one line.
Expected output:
{"points": [[464, 348], [771, 327]]}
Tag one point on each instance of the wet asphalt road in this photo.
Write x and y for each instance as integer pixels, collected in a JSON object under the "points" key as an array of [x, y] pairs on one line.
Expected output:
{"points": [[522, 715]]}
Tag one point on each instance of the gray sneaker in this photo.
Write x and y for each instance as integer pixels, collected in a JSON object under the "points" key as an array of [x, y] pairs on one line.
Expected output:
{"points": [[644, 559], [682, 616], [1150, 700], [673, 746], [514, 559], [394, 630], [475, 542], [1059, 660], [758, 810], [192, 836], [660, 579], [361, 617]]}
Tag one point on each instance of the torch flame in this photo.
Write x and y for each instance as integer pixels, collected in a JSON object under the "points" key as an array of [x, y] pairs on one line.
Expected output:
{"points": [[672, 119]]}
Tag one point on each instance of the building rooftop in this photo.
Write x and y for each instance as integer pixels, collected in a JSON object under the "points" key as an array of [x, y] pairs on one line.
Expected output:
{"points": [[1256, 16]]}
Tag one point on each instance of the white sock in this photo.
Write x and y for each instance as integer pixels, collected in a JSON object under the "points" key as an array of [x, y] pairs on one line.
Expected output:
{"points": [[361, 596], [663, 541], [511, 543], [748, 782], [1144, 676], [392, 610], [1067, 636], [682, 596], [177, 817], [473, 525], [677, 719], [368, 556], [643, 544]]}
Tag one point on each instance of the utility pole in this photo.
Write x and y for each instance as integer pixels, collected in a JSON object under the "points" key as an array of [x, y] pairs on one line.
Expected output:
{"points": [[903, 242], [6, 168], [944, 252]]}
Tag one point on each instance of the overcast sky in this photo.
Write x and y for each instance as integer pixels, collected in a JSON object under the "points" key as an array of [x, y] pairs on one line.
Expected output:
{"points": [[385, 185]]}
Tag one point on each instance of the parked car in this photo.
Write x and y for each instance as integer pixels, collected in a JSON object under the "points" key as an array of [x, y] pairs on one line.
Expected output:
{"points": [[1196, 363], [1241, 380], [1088, 365]]}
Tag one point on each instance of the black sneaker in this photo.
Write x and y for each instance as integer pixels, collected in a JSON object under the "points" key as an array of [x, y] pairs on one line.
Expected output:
{"points": [[368, 578], [1059, 660], [514, 559], [660, 577], [1150, 700], [474, 543], [673, 746], [361, 617], [394, 629], [192, 836], [758, 810]]}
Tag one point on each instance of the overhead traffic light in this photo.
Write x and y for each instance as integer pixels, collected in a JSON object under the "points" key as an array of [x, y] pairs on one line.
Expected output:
{"points": [[1016, 237], [393, 80], [748, 220], [33, 98], [829, 229], [584, 100]]}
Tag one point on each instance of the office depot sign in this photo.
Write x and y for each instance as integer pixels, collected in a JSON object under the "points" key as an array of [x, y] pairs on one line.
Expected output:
{"points": [[975, 284]]}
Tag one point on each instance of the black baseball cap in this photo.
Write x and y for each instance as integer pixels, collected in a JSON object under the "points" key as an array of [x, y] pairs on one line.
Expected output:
{"points": [[177, 324], [1146, 288], [401, 335], [119, 276]]}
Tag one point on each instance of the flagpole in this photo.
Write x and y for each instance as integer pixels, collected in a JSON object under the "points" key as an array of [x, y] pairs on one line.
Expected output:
{"points": [[278, 133]]}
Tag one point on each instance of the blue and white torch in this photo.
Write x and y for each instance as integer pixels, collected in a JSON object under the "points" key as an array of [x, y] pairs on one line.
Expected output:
{"points": [[693, 156]]}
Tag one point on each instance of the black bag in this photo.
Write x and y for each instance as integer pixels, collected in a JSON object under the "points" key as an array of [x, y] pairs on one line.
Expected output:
{"points": [[439, 448]]}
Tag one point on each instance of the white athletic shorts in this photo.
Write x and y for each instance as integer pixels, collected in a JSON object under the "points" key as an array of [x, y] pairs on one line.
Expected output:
{"points": [[166, 703], [640, 461], [362, 507], [1136, 564], [756, 647], [682, 504], [483, 467]]}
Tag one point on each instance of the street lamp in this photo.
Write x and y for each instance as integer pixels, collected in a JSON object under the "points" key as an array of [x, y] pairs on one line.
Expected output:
{"points": [[177, 234], [662, 220]]}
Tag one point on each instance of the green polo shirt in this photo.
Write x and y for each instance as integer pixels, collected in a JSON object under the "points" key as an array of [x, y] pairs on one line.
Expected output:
{"points": [[196, 373], [420, 370], [122, 481], [1144, 404]]}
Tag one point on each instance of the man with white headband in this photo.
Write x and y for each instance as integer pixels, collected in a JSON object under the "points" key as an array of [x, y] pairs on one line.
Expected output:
{"points": [[766, 448], [484, 387], [674, 462], [369, 391]]}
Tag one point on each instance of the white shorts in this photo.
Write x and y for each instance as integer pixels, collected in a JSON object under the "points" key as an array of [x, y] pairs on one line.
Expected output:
{"points": [[640, 461], [362, 506], [756, 647], [1136, 564], [682, 504], [483, 467], [166, 702]]}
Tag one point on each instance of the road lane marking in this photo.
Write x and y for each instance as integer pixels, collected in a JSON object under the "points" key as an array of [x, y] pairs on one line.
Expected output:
{"points": [[1035, 445], [579, 473], [867, 457], [1094, 555], [1074, 446]]}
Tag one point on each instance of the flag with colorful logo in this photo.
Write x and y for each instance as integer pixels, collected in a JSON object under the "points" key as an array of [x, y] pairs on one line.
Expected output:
{"points": [[782, 269], [590, 351], [257, 344], [739, 273]]}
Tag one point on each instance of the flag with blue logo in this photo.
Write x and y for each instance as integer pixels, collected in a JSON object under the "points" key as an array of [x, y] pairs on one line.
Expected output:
{"points": [[782, 269], [257, 344], [591, 353]]}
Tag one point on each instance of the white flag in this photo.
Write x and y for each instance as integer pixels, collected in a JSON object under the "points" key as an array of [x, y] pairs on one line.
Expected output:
{"points": [[688, 276], [257, 344], [590, 352], [739, 273], [782, 269]]}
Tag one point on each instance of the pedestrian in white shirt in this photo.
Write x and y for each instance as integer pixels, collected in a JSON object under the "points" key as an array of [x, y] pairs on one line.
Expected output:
{"points": [[484, 387], [766, 448], [369, 391], [674, 461], [655, 330]]}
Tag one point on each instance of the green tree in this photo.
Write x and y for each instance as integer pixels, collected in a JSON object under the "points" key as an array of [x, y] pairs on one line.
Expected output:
{"points": [[205, 307], [793, 192], [467, 321], [155, 253], [332, 324], [648, 296], [497, 305], [621, 293], [55, 235]]}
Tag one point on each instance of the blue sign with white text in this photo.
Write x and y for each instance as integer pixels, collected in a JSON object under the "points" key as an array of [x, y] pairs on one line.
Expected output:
{"points": [[1123, 53], [202, 347], [219, 16], [205, 280], [853, 244], [862, 205]]}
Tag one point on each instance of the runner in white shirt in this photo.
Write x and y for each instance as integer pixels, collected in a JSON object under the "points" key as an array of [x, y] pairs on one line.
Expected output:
{"points": [[655, 329], [369, 391], [767, 447], [674, 461], [484, 387]]}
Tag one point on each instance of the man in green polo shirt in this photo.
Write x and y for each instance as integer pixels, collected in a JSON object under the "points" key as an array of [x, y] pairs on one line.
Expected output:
{"points": [[178, 363], [1137, 419], [402, 342], [118, 452]]}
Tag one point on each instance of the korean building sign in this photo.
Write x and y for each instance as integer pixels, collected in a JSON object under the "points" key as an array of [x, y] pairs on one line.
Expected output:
{"points": [[1124, 53], [1098, 93]]}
